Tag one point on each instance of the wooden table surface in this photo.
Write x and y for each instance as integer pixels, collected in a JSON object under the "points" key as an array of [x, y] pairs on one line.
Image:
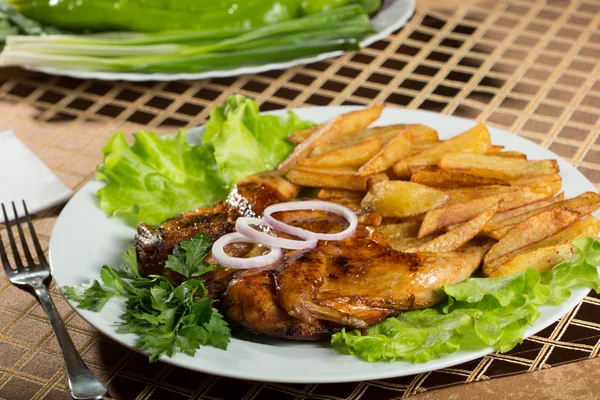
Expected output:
{"points": [[531, 67]]}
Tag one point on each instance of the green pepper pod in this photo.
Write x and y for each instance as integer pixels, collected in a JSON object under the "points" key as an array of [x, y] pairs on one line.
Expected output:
{"points": [[156, 15]]}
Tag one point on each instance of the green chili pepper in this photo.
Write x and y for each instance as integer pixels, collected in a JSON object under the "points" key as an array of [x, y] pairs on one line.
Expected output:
{"points": [[158, 15]]}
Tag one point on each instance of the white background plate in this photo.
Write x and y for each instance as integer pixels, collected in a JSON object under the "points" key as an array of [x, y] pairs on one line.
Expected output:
{"points": [[84, 239], [392, 16]]}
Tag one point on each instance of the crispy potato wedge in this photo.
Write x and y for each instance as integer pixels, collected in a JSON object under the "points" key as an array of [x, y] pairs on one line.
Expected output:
{"points": [[383, 133], [326, 193], [545, 254], [419, 148], [422, 135], [534, 229], [403, 199], [585, 203], [512, 154], [339, 178], [324, 132], [332, 131], [402, 230], [462, 195], [351, 156], [538, 205], [402, 244], [456, 238], [435, 177], [494, 149], [396, 149], [491, 166], [476, 140], [453, 214], [300, 136], [530, 180]]}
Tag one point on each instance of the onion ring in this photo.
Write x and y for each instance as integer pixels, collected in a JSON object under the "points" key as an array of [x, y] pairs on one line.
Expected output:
{"points": [[311, 205], [242, 225], [218, 253]]}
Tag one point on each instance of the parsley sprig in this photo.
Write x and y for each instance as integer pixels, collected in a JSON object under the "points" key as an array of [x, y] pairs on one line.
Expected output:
{"points": [[166, 319]]}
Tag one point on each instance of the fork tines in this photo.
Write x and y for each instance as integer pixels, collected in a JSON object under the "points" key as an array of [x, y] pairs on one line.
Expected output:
{"points": [[24, 246]]}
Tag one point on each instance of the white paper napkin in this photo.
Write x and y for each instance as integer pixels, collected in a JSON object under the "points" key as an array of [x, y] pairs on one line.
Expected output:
{"points": [[23, 176]]}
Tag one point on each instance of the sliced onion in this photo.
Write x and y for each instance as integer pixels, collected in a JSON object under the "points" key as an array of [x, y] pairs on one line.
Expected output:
{"points": [[243, 226], [218, 253], [311, 205]]}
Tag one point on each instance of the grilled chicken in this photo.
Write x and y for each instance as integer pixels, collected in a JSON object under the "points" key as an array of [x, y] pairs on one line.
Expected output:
{"points": [[356, 282], [248, 198], [308, 294]]}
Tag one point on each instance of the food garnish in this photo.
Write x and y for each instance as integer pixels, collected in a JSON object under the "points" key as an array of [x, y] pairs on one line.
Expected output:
{"points": [[166, 319], [245, 233], [159, 177]]}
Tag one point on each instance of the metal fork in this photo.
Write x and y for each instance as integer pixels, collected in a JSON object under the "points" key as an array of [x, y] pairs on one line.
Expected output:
{"points": [[83, 383]]}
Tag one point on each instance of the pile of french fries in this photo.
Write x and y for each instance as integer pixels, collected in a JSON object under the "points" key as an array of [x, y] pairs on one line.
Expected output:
{"points": [[427, 195]]}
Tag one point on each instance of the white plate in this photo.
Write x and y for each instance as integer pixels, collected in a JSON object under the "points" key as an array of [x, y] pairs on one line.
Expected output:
{"points": [[392, 16], [84, 239]]}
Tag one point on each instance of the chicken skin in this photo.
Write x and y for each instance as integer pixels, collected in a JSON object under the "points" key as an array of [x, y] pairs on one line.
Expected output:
{"points": [[356, 282]]}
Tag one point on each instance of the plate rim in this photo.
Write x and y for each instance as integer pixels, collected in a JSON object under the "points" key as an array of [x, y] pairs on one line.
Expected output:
{"points": [[407, 13], [578, 294]]}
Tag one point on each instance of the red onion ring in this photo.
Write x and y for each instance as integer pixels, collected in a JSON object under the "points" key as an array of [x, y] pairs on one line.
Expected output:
{"points": [[218, 253], [311, 205], [242, 225]]}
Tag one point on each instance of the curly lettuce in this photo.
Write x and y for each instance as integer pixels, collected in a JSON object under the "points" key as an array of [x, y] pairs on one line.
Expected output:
{"points": [[159, 177], [478, 312]]}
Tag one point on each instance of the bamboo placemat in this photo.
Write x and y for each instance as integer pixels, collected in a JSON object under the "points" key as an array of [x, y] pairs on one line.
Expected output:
{"points": [[531, 67]]}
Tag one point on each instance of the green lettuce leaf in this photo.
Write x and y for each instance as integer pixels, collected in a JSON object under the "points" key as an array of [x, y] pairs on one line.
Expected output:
{"points": [[479, 312], [246, 142], [158, 178]]}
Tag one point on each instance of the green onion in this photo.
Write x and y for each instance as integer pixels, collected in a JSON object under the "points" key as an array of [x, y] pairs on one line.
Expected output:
{"points": [[189, 51]]}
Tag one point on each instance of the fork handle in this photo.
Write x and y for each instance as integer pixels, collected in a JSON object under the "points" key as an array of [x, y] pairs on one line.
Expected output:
{"points": [[83, 383]]}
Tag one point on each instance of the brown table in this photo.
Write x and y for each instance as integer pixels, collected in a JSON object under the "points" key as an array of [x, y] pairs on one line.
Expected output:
{"points": [[531, 67]]}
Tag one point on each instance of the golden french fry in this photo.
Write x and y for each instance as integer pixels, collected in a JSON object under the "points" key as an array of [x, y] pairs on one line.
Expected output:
{"points": [[435, 177], [453, 214], [456, 238], [403, 199], [300, 136], [402, 230], [340, 178], [583, 204], [512, 154], [534, 229], [402, 244], [376, 178], [326, 193], [476, 140], [329, 129], [491, 166], [545, 254], [383, 133], [494, 149], [351, 156], [419, 148], [396, 149], [422, 135], [332, 131], [461, 195], [530, 180]]}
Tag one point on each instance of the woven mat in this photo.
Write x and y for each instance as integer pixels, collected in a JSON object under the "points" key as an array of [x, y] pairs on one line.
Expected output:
{"points": [[531, 67]]}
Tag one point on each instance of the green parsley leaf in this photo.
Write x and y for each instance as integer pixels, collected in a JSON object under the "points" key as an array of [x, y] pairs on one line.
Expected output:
{"points": [[91, 296], [167, 320], [187, 258]]}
